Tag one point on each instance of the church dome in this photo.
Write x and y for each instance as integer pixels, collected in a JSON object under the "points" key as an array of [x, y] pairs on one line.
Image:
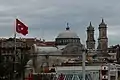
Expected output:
{"points": [[67, 34]]}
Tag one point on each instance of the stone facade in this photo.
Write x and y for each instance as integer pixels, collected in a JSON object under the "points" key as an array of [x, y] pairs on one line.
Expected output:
{"points": [[103, 40], [90, 42]]}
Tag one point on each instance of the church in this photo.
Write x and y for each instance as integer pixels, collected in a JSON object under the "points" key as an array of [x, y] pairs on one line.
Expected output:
{"points": [[68, 44], [68, 37], [66, 52]]}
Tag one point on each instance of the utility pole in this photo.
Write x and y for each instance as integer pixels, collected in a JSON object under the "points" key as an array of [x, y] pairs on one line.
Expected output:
{"points": [[109, 70]]}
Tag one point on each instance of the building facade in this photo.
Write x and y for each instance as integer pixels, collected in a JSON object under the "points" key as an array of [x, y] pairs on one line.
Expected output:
{"points": [[13, 59]]}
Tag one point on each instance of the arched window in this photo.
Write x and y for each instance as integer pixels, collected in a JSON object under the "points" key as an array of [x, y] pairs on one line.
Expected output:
{"points": [[59, 41], [63, 41]]}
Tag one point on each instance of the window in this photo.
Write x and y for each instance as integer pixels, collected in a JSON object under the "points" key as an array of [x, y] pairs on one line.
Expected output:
{"points": [[59, 41]]}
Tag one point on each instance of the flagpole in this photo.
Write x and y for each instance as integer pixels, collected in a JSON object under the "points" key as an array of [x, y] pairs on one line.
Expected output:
{"points": [[21, 28], [14, 60]]}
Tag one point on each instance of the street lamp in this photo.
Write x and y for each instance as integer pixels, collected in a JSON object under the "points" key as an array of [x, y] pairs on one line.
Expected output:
{"points": [[83, 62]]}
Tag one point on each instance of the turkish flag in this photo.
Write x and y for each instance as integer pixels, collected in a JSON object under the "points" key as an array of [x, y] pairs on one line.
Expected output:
{"points": [[21, 28]]}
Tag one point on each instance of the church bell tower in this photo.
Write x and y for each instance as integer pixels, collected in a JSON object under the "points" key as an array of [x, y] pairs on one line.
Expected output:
{"points": [[90, 42], [102, 40]]}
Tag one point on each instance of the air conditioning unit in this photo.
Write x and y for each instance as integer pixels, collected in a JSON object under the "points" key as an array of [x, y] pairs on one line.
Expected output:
{"points": [[104, 77]]}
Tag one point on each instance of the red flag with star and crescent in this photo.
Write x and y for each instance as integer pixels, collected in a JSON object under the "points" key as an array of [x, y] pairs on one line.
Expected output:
{"points": [[21, 27]]}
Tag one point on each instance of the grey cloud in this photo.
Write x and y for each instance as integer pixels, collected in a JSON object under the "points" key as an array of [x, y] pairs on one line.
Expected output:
{"points": [[48, 18]]}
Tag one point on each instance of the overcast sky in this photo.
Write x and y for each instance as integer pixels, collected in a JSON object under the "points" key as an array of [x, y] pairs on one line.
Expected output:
{"points": [[47, 18]]}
